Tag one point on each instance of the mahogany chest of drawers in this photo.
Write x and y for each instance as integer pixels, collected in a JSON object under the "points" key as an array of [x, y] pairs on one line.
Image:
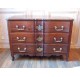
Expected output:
{"points": [[40, 37]]}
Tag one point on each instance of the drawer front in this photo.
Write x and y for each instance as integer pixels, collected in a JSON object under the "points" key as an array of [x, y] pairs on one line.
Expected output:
{"points": [[50, 48], [54, 38], [31, 49], [57, 26], [23, 48], [19, 48], [21, 26], [22, 38]]}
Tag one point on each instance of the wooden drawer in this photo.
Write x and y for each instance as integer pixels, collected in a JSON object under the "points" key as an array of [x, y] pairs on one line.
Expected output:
{"points": [[31, 49], [23, 48], [21, 26], [22, 37], [53, 48], [57, 26], [54, 38], [19, 48]]}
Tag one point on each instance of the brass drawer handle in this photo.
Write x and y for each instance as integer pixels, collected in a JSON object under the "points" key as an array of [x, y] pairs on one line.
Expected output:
{"points": [[21, 40], [58, 41], [39, 49], [39, 27], [54, 49], [39, 38], [20, 29], [59, 29], [24, 49]]}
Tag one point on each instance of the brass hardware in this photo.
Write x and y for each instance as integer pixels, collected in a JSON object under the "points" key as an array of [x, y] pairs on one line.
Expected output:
{"points": [[39, 49], [39, 38], [24, 50], [39, 27], [58, 50], [21, 40], [57, 29], [17, 27], [58, 41]]}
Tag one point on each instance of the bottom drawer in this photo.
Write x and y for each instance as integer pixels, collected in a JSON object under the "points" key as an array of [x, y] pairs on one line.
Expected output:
{"points": [[22, 48], [52, 48], [36, 49]]}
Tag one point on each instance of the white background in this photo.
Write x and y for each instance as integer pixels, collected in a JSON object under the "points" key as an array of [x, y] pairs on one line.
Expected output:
{"points": [[41, 4]]}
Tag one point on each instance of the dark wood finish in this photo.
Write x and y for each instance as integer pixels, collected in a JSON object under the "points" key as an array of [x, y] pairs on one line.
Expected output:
{"points": [[49, 48], [21, 47], [31, 49], [40, 37], [50, 26], [22, 37], [54, 38], [17, 26]]}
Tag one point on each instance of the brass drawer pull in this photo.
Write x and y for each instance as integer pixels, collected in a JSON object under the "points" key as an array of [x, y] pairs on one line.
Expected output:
{"points": [[21, 40], [39, 27], [59, 29], [20, 29], [24, 50], [39, 38], [39, 49], [54, 49], [58, 41]]}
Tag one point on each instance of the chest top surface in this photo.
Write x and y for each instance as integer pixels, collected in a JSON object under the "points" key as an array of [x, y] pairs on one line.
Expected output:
{"points": [[39, 18]]}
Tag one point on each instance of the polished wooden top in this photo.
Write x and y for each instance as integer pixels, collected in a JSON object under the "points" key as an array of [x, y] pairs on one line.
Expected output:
{"points": [[24, 17]]}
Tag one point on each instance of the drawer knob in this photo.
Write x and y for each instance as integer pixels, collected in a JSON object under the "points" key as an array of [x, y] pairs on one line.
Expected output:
{"points": [[39, 38], [39, 49], [58, 41], [39, 27], [20, 29], [21, 40], [54, 49], [59, 29], [24, 49]]}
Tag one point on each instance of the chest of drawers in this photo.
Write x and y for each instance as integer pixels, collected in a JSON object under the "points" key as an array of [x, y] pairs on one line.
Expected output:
{"points": [[40, 37]]}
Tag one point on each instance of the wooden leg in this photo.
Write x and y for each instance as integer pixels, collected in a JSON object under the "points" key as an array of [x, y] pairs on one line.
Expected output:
{"points": [[66, 57], [12, 56]]}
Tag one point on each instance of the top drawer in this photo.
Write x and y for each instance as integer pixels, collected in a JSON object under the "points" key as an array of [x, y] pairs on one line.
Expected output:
{"points": [[21, 26], [57, 26]]}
